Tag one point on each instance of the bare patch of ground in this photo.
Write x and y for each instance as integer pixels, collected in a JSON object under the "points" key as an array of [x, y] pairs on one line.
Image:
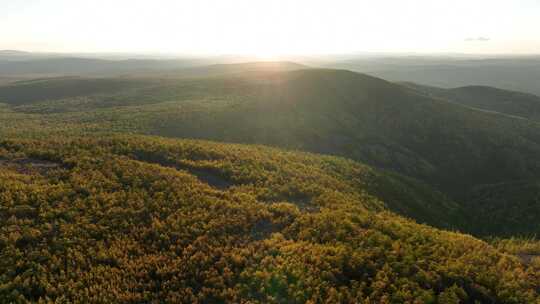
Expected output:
{"points": [[303, 202], [29, 165], [527, 258]]}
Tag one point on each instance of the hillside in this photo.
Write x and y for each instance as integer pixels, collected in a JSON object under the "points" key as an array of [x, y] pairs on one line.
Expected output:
{"points": [[30, 91], [158, 86], [368, 119], [143, 219], [488, 98], [514, 206], [452, 148]]}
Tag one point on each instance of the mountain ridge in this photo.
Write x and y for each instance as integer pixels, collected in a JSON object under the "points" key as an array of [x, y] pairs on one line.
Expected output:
{"points": [[508, 102], [450, 147]]}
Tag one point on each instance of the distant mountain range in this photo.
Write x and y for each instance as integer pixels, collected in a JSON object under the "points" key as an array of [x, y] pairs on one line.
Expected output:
{"points": [[12, 52], [516, 73], [73, 66]]}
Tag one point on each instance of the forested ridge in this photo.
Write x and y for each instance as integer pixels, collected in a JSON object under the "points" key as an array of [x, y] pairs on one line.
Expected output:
{"points": [[142, 219], [417, 200], [459, 151], [487, 98]]}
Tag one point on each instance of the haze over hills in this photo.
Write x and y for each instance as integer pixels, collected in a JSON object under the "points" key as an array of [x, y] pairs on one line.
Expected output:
{"points": [[50, 88], [13, 53], [230, 69], [27, 65], [516, 73], [75, 66]]}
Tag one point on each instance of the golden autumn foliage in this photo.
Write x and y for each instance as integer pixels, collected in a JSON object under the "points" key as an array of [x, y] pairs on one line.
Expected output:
{"points": [[130, 219]]}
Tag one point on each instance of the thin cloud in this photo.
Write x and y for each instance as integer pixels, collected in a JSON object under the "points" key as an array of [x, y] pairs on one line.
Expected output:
{"points": [[477, 39]]}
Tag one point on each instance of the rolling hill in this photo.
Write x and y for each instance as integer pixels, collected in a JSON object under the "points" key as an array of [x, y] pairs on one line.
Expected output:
{"points": [[368, 119], [30, 91], [515, 73], [80, 66], [23, 65], [513, 205], [147, 88], [230, 69], [143, 219], [13, 54], [452, 148], [492, 99]]}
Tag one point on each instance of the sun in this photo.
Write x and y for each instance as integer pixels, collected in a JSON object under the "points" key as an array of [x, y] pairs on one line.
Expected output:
{"points": [[267, 55]]}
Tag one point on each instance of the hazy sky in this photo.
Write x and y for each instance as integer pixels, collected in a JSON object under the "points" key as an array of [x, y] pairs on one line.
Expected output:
{"points": [[268, 28]]}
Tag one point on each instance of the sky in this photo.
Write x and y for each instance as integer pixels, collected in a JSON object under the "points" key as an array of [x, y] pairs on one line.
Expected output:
{"points": [[271, 28]]}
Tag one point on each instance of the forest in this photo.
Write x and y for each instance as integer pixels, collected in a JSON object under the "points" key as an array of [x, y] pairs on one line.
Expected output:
{"points": [[136, 219], [264, 183], [487, 163], [269, 152]]}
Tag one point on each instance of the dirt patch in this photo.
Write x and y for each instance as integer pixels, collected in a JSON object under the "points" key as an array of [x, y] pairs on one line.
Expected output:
{"points": [[29, 165], [303, 202], [527, 258]]}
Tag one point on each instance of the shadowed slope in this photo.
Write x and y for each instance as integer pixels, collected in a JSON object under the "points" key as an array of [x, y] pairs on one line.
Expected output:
{"points": [[488, 98]]}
